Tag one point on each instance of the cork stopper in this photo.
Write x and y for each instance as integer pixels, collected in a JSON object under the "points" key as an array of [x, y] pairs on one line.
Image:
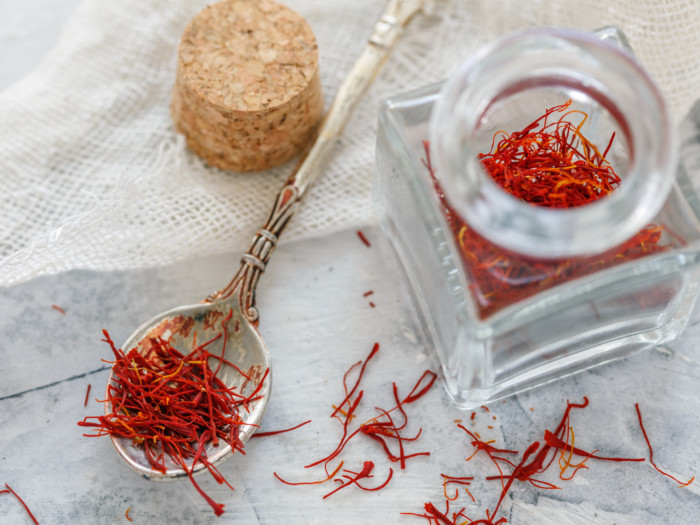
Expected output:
{"points": [[247, 94]]}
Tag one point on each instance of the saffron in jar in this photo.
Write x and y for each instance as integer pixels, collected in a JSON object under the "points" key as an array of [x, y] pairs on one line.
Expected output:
{"points": [[549, 163], [172, 404]]}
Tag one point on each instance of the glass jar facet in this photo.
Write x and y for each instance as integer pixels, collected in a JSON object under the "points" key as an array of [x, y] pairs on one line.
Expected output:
{"points": [[572, 324]]}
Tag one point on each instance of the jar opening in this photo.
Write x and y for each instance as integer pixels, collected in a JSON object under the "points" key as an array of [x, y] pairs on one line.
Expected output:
{"points": [[512, 83], [572, 154]]}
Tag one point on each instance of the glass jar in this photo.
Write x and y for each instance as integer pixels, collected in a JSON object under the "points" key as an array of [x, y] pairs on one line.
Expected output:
{"points": [[511, 294]]}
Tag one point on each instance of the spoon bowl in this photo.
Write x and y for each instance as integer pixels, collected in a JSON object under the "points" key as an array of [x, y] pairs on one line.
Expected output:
{"points": [[244, 346], [187, 326]]}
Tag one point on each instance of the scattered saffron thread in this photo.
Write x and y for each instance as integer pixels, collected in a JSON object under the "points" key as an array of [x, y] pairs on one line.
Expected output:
{"points": [[348, 396], [127, 514], [433, 515], [387, 429], [58, 308], [275, 432], [363, 238], [651, 451], [463, 481], [87, 394], [551, 163], [536, 460], [317, 482], [8, 490]]}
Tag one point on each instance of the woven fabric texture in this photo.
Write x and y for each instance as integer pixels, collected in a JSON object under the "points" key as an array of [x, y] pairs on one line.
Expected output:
{"points": [[93, 175]]}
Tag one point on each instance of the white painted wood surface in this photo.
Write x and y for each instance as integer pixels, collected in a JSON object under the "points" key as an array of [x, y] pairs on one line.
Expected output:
{"points": [[316, 323]]}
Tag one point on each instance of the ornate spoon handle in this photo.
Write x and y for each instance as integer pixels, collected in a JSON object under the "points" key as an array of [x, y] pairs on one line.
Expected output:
{"points": [[387, 32]]}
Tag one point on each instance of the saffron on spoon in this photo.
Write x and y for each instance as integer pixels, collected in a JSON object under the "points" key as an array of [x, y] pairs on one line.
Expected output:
{"points": [[173, 405]]}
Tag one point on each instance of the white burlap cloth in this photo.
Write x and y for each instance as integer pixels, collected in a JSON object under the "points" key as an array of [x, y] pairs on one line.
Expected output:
{"points": [[92, 174]]}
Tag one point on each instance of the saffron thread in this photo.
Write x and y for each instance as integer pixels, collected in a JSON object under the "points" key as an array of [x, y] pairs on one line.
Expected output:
{"points": [[87, 394], [8, 490]]}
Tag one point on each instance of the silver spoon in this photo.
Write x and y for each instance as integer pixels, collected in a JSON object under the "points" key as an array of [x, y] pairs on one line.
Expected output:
{"points": [[244, 345]]}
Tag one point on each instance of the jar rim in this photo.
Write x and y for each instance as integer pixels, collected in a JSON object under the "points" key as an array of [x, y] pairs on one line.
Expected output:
{"points": [[602, 71]]}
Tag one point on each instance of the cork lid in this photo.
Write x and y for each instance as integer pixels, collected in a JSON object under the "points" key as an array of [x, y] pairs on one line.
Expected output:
{"points": [[248, 55], [247, 94]]}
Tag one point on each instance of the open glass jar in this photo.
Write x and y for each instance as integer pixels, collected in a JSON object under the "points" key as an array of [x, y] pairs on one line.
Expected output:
{"points": [[512, 294]]}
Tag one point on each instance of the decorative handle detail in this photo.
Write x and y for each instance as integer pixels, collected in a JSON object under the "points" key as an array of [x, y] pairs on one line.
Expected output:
{"points": [[255, 260], [384, 36]]}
